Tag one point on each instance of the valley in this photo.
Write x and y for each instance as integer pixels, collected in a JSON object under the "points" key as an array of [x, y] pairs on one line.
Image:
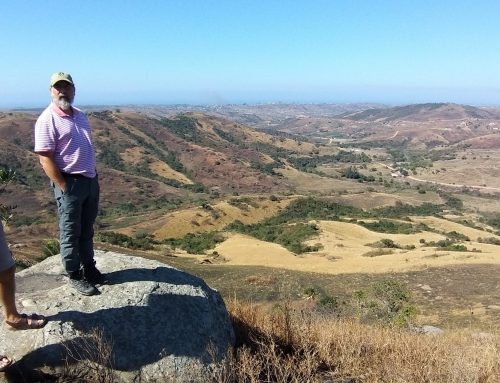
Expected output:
{"points": [[268, 201]]}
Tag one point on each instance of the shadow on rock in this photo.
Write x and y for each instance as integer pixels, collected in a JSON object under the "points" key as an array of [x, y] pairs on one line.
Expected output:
{"points": [[19, 373], [160, 274]]}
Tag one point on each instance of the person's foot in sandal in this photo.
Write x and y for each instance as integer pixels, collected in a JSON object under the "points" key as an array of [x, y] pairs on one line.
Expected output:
{"points": [[4, 363], [28, 322]]}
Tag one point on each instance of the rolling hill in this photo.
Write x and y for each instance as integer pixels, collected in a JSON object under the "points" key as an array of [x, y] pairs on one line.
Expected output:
{"points": [[147, 165], [421, 126]]}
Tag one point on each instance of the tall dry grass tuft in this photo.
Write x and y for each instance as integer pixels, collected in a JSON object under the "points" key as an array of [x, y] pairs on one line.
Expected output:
{"points": [[286, 345], [89, 358]]}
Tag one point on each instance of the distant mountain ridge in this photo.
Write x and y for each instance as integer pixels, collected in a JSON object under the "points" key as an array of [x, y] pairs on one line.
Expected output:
{"points": [[420, 112], [410, 126]]}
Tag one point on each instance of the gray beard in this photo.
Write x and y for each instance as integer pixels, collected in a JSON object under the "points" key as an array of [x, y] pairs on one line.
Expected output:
{"points": [[63, 104]]}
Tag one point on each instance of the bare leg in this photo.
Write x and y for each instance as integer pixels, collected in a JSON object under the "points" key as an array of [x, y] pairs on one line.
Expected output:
{"points": [[8, 294]]}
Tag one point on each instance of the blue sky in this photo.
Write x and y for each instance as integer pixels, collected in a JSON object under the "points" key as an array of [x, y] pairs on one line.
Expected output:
{"points": [[209, 51]]}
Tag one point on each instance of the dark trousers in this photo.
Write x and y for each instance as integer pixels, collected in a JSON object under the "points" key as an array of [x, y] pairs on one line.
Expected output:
{"points": [[77, 208]]}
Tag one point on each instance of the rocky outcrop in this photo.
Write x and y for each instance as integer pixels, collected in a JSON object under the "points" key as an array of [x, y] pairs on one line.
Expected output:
{"points": [[162, 324]]}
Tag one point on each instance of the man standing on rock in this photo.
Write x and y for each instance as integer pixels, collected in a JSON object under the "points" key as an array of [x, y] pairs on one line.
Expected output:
{"points": [[64, 144]]}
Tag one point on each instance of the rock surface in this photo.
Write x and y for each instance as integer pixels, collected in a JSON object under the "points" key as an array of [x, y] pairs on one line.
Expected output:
{"points": [[162, 324]]}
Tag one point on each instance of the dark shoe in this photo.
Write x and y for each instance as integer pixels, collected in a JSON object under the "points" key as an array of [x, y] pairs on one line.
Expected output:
{"points": [[94, 276], [81, 285]]}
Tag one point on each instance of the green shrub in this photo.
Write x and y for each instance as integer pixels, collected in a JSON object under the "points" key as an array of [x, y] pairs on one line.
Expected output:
{"points": [[185, 127], [454, 203], [386, 242], [456, 247], [406, 315], [142, 242], [196, 243], [387, 301], [455, 236], [400, 209], [310, 292], [388, 226], [447, 244], [50, 247], [377, 252], [393, 297], [328, 302]]}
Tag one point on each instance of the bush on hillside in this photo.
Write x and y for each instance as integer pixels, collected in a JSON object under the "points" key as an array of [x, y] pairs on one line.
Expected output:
{"points": [[388, 226], [385, 243], [492, 219], [400, 209], [456, 236], [141, 242], [387, 301], [196, 243], [447, 244]]}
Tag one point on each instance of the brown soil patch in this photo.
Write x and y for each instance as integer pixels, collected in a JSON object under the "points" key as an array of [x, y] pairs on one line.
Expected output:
{"points": [[132, 155]]}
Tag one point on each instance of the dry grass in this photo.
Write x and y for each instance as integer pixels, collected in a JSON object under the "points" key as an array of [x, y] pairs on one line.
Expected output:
{"points": [[296, 346], [472, 167], [89, 359], [349, 244], [283, 345], [181, 222]]}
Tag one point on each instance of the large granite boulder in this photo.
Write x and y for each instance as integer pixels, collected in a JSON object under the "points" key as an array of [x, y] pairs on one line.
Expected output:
{"points": [[162, 324]]}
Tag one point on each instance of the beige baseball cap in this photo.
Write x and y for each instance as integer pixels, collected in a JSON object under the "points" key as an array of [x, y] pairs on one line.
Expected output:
{"points": [[60, 76]]}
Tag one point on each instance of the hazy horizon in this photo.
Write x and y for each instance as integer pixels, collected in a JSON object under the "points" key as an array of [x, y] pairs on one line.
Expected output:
{"points": [[249, 104]]}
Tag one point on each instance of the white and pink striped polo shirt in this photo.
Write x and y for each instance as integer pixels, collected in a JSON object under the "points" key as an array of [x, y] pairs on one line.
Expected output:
{"points": [[69, 138]]}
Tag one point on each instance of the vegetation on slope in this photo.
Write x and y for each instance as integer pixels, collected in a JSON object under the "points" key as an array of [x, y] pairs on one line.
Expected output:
{"points": [[141, 241], [291, 227], [286, 345], [290, 236], [196, 243]]}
